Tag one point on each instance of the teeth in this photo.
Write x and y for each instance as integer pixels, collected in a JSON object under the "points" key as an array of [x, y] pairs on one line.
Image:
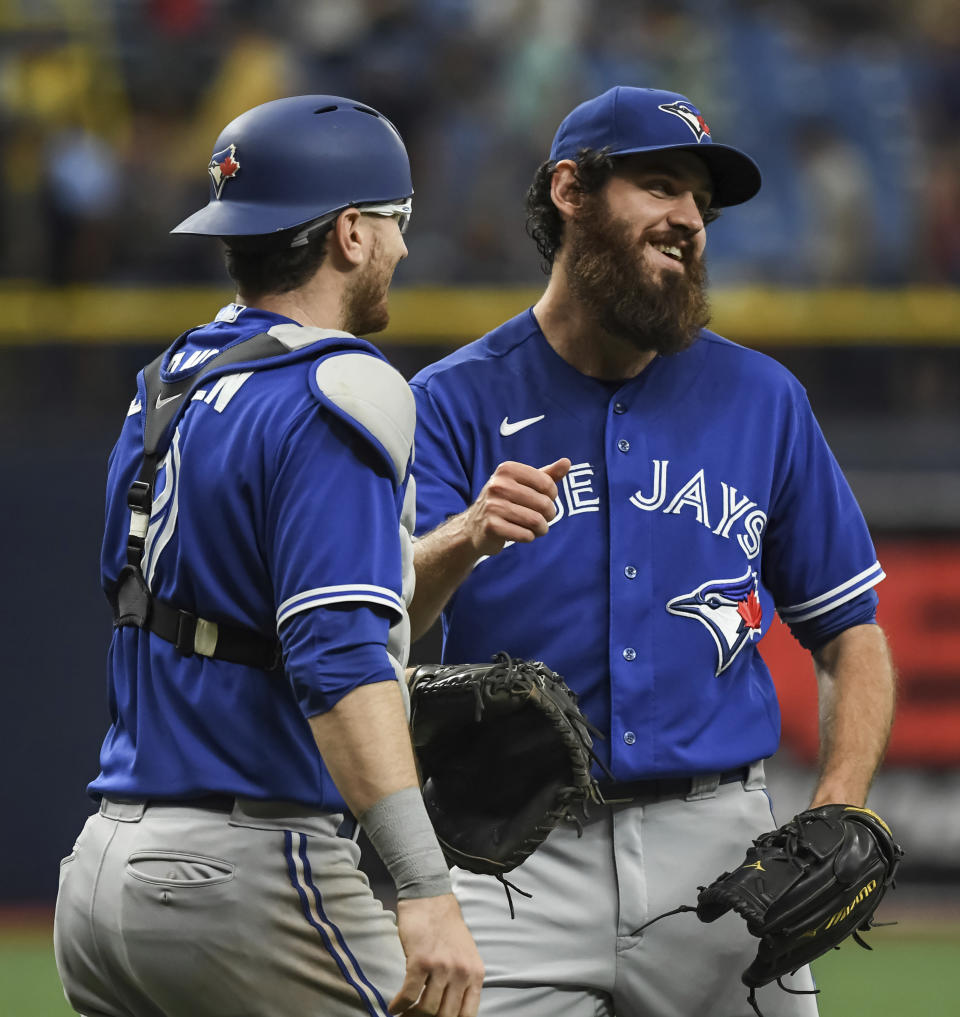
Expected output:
{"points": [[671, 252]]}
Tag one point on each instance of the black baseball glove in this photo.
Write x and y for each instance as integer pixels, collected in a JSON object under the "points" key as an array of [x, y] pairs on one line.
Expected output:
{"points": [[806, 887], [504, 754]]}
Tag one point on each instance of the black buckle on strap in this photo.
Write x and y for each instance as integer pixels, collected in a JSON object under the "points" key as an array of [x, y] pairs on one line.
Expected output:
{"points": [[135, 546], [140, 496], [185, 641]]}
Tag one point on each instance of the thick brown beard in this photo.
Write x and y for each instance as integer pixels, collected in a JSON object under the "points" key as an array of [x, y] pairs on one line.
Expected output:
{"points": [[364, 303], [606, 274]]}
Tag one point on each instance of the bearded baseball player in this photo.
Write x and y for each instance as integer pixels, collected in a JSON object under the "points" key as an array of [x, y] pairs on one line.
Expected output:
{"points": [[606, 485], [257, 557]]}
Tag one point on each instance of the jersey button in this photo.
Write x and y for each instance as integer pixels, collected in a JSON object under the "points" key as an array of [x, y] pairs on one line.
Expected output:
{"points": [[619, 408], [629, 653], [623, 445], [630, 572], [629, 737]]}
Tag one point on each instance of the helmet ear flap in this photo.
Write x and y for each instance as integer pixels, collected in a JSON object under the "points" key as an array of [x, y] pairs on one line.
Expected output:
{"points": [[288, 162], [283, 240]]}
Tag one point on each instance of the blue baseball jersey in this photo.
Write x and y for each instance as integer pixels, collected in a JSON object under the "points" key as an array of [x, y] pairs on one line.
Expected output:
{"points": [[273, 510], [702, 498]]}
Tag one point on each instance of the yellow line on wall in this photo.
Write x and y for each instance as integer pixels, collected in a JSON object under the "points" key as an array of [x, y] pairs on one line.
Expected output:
{"points": [[32, 314]]}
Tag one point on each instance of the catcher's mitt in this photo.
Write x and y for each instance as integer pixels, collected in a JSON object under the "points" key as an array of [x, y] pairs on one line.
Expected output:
{"points": [[806, 886], [504, 753]]}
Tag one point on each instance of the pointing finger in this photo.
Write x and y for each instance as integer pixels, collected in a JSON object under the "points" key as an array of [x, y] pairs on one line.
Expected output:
{"points": [[558, 470]]}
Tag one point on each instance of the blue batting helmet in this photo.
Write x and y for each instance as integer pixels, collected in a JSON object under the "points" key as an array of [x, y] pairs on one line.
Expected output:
{"points": [[287, 162]]}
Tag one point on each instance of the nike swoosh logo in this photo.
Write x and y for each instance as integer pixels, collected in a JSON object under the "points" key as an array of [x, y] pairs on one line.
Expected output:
{"points": [[506, 428], [169, 399]]}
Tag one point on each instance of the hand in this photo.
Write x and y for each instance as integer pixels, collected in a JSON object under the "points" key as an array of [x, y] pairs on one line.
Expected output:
{"points": [[515, 504], [444, 971]]}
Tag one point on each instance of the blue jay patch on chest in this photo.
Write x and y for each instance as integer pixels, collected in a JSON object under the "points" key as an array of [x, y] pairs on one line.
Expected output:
{"points": [[729, 609]]}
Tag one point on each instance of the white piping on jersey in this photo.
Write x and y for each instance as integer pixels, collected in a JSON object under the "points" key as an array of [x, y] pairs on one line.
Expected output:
{"points": [[831, 599], [157, 541], [363, 592]]}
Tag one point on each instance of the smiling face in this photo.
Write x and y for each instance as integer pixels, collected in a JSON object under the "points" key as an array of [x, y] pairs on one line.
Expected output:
{"points": [[665, 197], [634, 251]]}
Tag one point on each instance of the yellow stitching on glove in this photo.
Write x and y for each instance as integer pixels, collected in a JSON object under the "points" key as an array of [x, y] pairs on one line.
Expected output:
{"points": [[869, 812]]}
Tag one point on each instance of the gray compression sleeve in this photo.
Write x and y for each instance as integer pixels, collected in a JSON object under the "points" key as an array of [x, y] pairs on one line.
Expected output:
{"points": [[402, 835]]}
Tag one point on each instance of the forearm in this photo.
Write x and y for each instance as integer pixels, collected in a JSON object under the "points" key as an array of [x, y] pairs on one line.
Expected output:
{"points": [[857, 691], [365, 744], [515, 506], [442, 559]]}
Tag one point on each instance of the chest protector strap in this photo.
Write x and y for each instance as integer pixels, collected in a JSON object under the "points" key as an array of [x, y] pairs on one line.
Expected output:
{"points": [[133, 603]]}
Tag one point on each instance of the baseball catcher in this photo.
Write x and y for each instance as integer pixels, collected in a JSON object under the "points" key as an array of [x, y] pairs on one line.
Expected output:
{"points": [[505, 755], [805, 887]]}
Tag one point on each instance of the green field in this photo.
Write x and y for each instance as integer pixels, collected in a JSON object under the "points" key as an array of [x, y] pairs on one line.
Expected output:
{"points": [[911, 972], [29, 986]]}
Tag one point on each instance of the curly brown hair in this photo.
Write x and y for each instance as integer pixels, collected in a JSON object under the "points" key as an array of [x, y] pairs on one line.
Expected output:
{"points": [[544, 222]]}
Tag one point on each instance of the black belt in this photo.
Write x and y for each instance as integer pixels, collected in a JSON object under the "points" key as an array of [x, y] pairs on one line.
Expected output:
{"points": [[662, 787]]}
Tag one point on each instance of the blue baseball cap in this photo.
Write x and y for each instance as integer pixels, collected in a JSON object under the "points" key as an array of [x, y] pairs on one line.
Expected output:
{"points": [[625, 120]]}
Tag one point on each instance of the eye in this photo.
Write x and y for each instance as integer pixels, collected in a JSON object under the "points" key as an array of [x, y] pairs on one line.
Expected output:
{"points": [[713, 601], [661, 186]]}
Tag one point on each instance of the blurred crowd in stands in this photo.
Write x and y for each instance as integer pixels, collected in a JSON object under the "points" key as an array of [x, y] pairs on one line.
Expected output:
{"points": [[108, 110]]}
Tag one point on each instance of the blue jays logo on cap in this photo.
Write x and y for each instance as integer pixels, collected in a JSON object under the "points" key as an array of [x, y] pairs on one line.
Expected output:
{"points": [[729, 608], [224, 165], [626, 120], [690, 116]]}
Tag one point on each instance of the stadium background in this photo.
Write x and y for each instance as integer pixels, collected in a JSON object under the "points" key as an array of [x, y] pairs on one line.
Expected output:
{"points": [[846, 268]]}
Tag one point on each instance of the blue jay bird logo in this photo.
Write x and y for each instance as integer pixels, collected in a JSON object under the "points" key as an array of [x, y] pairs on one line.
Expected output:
{"points": [[224, 166], [729, 608], [691, 117]]}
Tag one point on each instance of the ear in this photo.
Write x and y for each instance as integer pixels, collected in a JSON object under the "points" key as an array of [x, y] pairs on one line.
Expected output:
{"points": [[346, 238], [564, 189]]}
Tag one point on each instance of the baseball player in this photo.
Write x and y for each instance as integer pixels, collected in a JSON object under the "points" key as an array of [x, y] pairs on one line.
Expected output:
{"points": [[612, 488], [257, 556]]}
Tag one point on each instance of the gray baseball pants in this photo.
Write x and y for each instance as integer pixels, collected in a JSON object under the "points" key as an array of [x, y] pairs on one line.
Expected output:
{"points": [[571, 950], [176, 911]]}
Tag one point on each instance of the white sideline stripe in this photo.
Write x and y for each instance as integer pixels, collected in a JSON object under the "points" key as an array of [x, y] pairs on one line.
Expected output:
{"points": [[789, 609], [356, 979], [368, 598], [382, 591], [855, 592]]}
